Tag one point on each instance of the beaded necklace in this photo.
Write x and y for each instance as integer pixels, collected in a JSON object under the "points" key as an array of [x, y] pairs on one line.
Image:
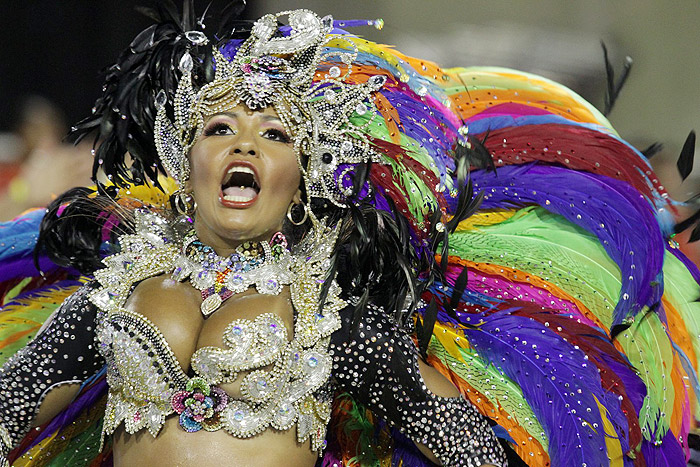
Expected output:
{"points": [[267, 266]]}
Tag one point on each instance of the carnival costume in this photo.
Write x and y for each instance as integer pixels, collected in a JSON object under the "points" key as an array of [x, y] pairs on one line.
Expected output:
{"points": [[553, 298]]}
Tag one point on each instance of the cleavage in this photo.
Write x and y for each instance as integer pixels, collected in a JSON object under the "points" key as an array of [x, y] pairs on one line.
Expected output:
{"points": [[260, 323]]}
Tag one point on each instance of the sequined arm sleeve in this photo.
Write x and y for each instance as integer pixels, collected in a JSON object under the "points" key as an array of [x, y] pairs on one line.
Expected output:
{"points": [[378, 365], [63, 352]]}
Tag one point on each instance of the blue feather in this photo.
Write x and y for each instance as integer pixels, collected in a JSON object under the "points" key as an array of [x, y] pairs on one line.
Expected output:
{"points": [[555, 378], [612, 210]]}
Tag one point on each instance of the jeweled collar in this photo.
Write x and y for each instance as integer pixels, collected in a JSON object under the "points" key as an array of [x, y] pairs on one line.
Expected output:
{"points": [[245, 258], [265, 265]]}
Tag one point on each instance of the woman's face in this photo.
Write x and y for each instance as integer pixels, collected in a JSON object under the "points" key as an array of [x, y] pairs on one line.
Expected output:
{"points": [[243, 175]]}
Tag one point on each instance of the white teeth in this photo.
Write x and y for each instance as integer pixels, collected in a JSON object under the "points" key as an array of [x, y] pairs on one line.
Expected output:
{"points": [[241, 169], [238, 199]]}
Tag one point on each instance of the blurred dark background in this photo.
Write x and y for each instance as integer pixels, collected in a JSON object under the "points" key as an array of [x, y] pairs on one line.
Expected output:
{"points": [[56, 49]]}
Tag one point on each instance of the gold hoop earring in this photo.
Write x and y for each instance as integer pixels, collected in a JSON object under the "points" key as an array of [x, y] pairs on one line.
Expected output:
{"points": [[184, 203], [291, 217]]}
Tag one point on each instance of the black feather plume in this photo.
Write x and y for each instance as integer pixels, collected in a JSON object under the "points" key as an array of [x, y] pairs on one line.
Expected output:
{"points": [[687, 156], [72, 230], [685, 224], [652, 150], [614, 87], [123, 117], [458, 289], [228, 20], [694, 235], [467, 203], [477, 154], [122, 122]]}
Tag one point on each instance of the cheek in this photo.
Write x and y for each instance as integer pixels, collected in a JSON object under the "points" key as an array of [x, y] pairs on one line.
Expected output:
{"points": [[203, 168], [195, 161], [288, 176]]}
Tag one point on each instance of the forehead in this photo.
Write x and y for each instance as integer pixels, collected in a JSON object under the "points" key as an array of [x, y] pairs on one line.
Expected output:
{"points": [[242, 111]]}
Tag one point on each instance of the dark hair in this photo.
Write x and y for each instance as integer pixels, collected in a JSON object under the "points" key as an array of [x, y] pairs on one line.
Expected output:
{"points": [[81, 226]]}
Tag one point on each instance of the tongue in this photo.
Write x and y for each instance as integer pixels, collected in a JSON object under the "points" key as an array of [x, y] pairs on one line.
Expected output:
{"points": [[246, 191]]}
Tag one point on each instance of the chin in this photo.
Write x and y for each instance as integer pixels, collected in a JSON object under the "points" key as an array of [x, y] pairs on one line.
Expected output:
{"points": [[232, 222], [238, 231]]}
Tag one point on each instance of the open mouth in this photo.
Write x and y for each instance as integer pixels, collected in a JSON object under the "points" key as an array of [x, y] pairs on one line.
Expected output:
{"points": [[240, 184]]}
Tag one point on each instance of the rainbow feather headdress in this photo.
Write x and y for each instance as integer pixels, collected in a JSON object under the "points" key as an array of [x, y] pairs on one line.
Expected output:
{"points": [[368, 123], [344, 101]]}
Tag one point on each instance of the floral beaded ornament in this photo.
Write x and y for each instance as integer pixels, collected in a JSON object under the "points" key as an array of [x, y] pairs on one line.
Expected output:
{"points": [[279, 71]]}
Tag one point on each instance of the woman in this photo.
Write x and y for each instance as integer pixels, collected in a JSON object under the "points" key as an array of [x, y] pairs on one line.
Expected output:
{"points": [[317, 175]]}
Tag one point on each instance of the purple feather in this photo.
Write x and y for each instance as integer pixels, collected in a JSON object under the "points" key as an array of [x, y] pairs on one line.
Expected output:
{"points": [[668, 453], [24, 267], [230, 48], [612, 210], [330, 460], [555, 378], [379, 200], [405, 452], [612, 403], [634, 386]]}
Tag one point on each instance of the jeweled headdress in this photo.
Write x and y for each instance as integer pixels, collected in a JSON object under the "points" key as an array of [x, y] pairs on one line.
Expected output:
{"points": [[369, 124], [279, 71]]}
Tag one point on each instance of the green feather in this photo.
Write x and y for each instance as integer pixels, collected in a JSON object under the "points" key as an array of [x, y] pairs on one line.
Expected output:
{"points": [[544, 244], [359, 421], [681, 290], [82, 449], [649, 350], [421, 199], [16, 290]]}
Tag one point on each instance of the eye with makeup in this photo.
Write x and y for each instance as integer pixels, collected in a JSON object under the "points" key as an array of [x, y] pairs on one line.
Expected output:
{"points": [[219, 129], [275, 134]]}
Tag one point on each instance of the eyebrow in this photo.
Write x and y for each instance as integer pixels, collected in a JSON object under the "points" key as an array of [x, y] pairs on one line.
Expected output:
{"points": [[264, 117]]}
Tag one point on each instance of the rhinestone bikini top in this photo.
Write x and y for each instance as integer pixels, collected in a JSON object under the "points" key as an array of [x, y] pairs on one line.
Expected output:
{"points": [[288, 380]]}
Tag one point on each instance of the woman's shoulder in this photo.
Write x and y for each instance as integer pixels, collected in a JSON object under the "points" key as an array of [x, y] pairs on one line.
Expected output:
{"points": [[141, 266]]}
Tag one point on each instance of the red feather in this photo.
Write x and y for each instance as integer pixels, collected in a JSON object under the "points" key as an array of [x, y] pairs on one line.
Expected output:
{"points": [[574, 147]]}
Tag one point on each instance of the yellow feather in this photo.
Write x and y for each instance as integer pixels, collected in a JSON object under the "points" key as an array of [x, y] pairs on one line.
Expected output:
{"points": [[35, 456], [612, 443], [486, 217]]}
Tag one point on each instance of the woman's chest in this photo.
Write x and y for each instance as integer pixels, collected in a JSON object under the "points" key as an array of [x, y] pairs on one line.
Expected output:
{"points": [[240, 369], [165, 358], [248, 332]]}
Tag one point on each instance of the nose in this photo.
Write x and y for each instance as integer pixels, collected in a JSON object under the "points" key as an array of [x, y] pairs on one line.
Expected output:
{"points": [[244, 145], [246, 148]]}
